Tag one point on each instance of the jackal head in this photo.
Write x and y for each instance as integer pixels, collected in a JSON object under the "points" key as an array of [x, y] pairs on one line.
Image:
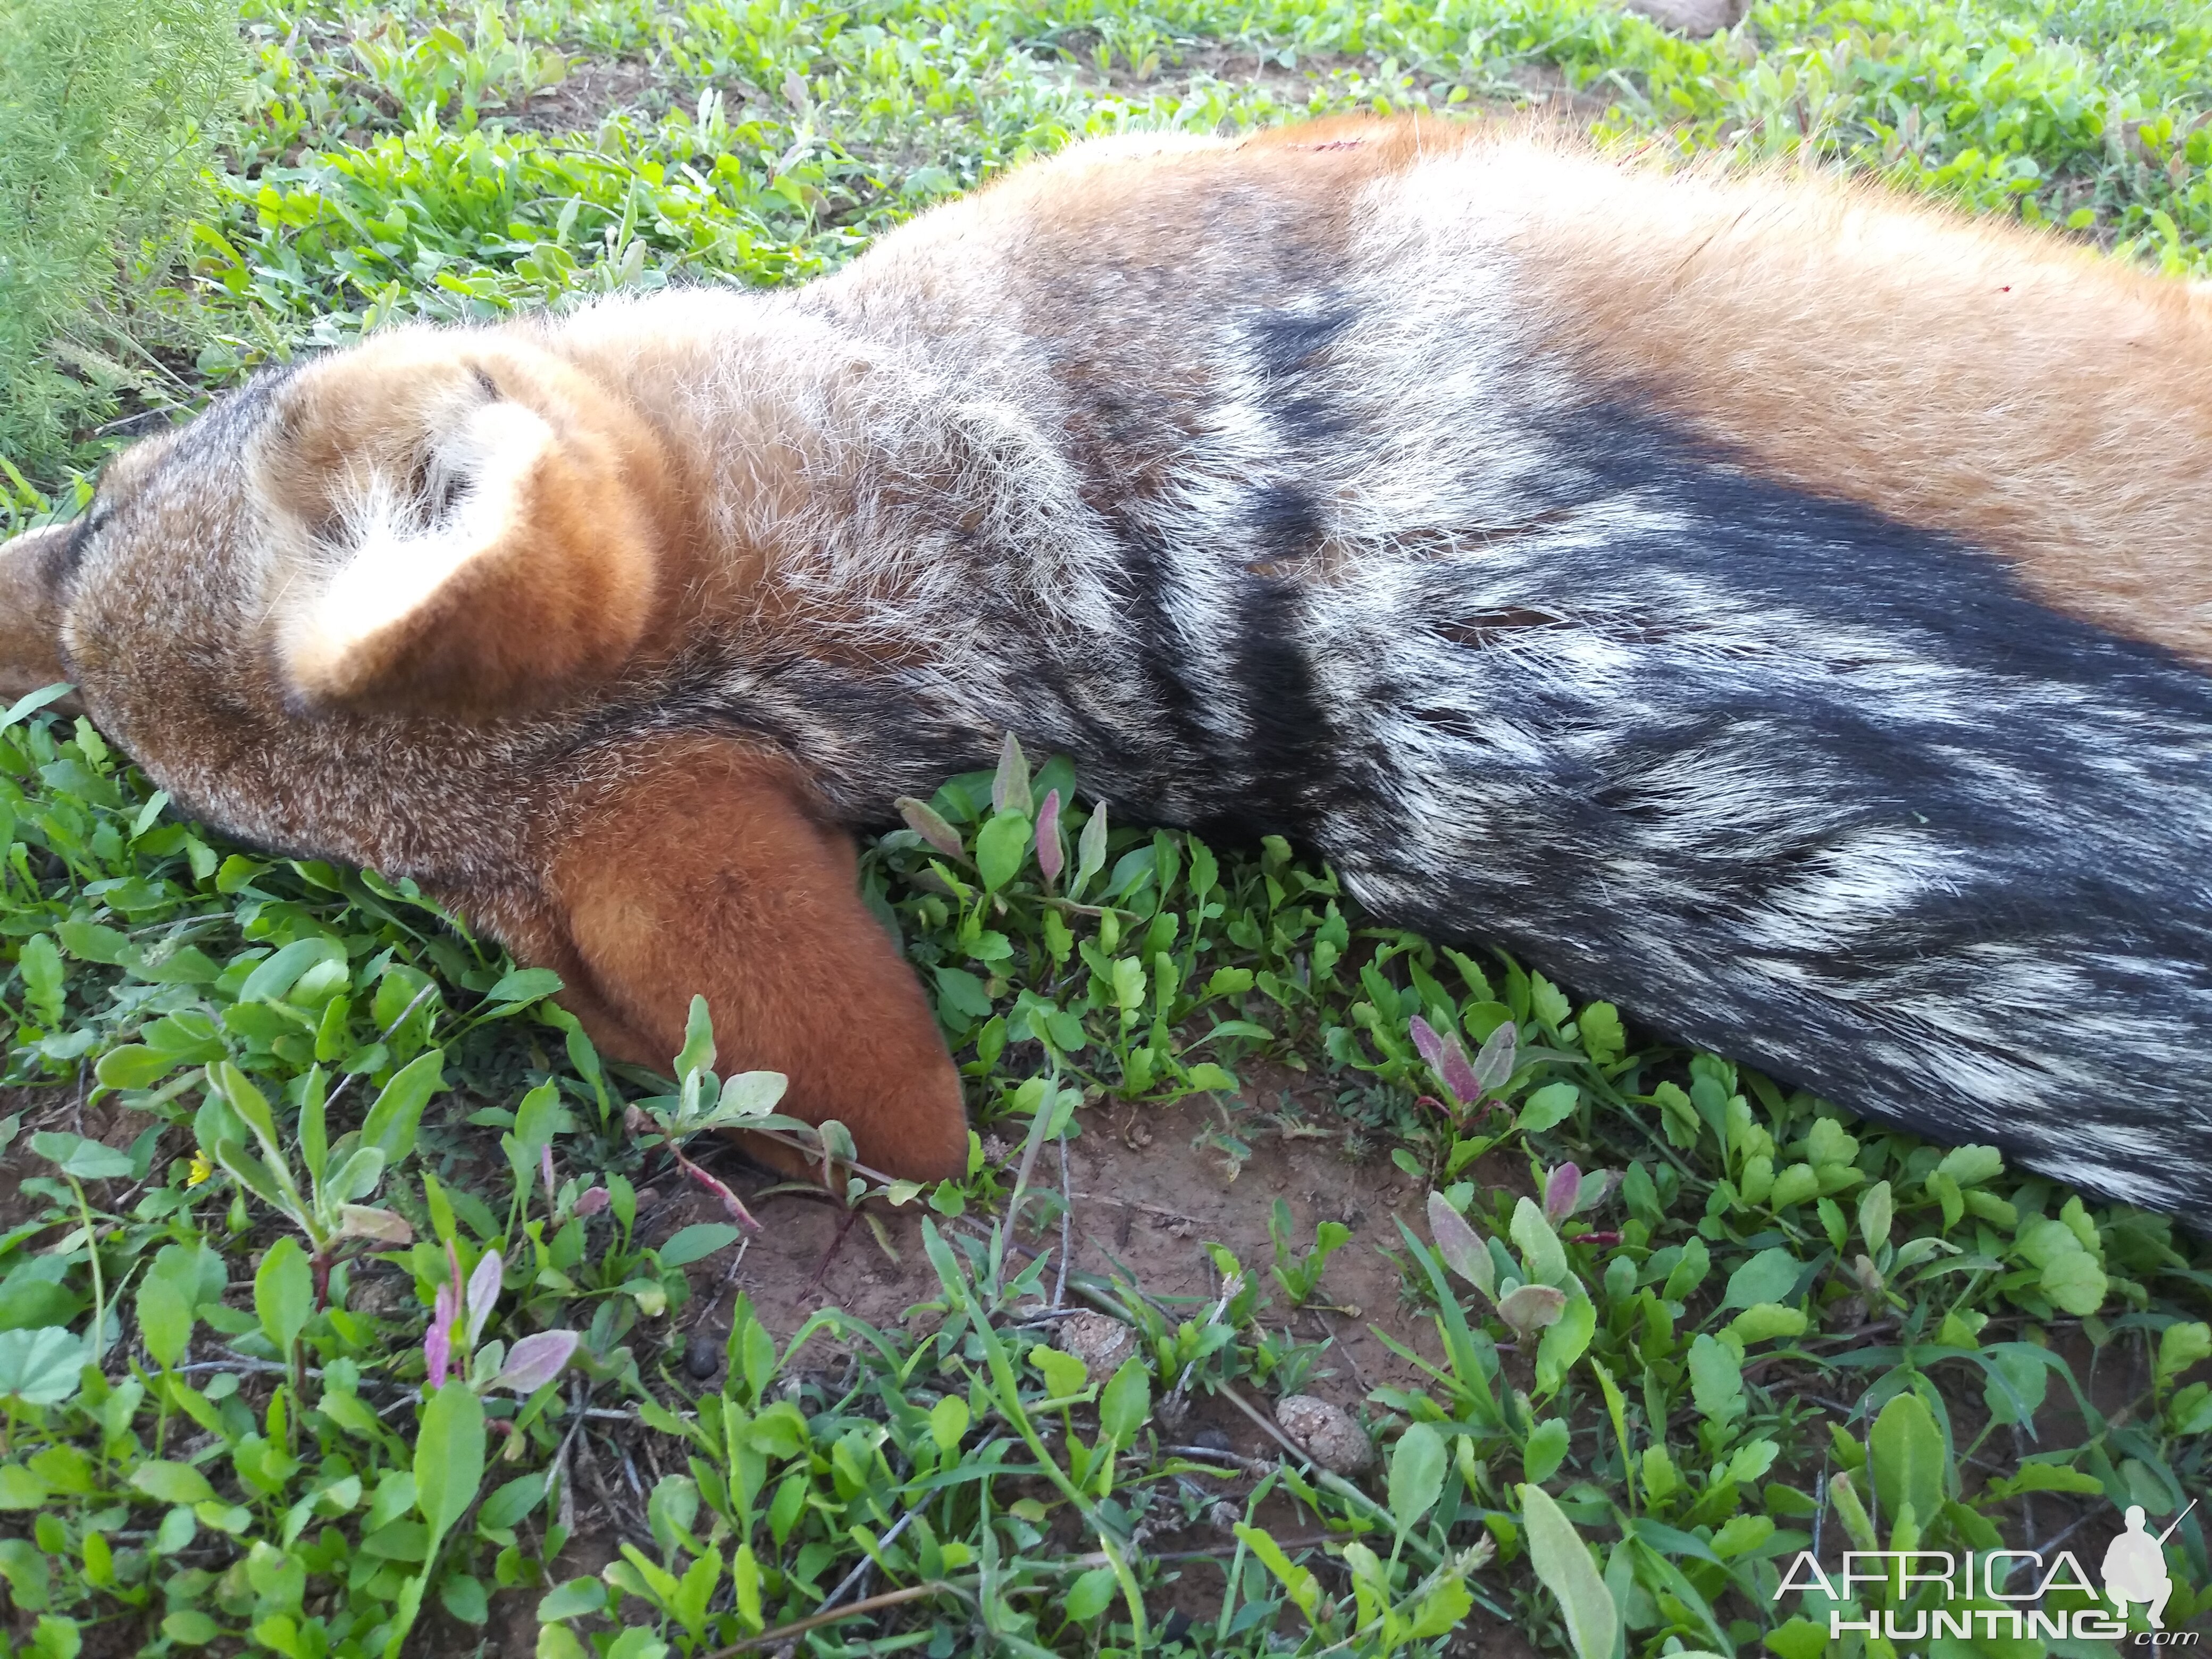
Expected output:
{"points": [[369, 610]]}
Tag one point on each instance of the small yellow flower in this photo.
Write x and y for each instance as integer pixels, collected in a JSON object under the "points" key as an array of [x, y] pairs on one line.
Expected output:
{"points": [[200, 1171]]}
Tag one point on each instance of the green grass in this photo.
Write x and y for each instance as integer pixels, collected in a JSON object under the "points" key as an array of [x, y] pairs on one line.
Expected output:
{"points": [[219, 1430]]}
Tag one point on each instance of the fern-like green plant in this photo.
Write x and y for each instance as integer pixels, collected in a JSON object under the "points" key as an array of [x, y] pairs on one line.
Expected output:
{"points": [[107, 110]]}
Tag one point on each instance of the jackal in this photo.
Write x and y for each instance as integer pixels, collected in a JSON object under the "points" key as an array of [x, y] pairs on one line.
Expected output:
{"points": [[1776, 606]]}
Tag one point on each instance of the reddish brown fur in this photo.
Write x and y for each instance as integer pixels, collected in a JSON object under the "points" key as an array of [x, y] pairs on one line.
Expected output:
{"points": [[702, 869], [574, 585]]}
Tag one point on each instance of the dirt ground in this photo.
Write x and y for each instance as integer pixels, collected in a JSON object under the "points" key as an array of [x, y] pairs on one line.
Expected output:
{"points": [[1145, 1194]]}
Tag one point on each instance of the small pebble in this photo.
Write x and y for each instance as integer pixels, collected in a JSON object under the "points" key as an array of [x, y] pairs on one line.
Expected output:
{"points": [[1213, 1439], [1100, 1342], [703, 1354], [1335, 1442]]}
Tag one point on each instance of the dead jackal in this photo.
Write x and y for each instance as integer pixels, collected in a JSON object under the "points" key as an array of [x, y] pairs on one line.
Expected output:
{"points": [[1777, 607]]}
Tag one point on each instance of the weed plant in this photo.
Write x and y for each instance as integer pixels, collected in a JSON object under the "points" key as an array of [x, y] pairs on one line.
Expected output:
{"points": [[324, 1306], [106, 111]]}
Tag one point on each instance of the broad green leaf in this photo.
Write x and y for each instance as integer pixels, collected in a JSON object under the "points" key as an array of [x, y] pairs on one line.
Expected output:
{"points": [[1065, 1376], [1090, 1594], [507, 1505], [172, 1483], [538, 1118], [1126, 1402], [1876, 1208], [697, 1054], [134, 1066], [284, 1292], [44, 977], [1541, 1253], [1769, 1276], [1562, 1564], [391, 1122], [572, 1600], [1909, 1466], [275, 975], [1969, 1165], [165, 1319], [1545, 1451], [462, 1595], [1564, 1341], [1090, 851], [1549, 1106], [2075, 1283], [1798, 1639], [356, 1178], [948, 1419], [1715, 1380], [449, 1455], [1599, 1030], [39, 1367], [1002, 846], [1417, 1473], [86, 1159], [89, 941], [1764, 1320], [696, 1242], [2180, 1346], [523, 985], [188, 1627]]}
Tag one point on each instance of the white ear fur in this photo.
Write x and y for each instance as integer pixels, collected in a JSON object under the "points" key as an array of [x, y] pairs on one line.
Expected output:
{"points": [[402, 552]]}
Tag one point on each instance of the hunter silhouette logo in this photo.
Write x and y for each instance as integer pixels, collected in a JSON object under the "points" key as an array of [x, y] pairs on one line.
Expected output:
{"points": [[2135, 1567], [2003, 1591]]}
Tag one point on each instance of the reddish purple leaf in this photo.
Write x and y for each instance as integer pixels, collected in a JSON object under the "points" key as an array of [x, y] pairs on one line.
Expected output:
{"points": [[1049, 856], [1448, 1061], [545, 1168], [732, 1205], [1463, 1252], [592, 1201], [1562, 1187], [483, 1292], [536, 1360], [1431, 1046], [438, 1340], [923, 819]]}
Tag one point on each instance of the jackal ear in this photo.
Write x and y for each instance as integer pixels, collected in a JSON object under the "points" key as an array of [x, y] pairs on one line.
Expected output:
{"points": [[513, 561], [31, 568], [704, 870]]}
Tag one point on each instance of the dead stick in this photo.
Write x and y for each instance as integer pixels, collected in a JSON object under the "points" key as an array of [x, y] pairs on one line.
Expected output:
{"points": [[800, 1626]]}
